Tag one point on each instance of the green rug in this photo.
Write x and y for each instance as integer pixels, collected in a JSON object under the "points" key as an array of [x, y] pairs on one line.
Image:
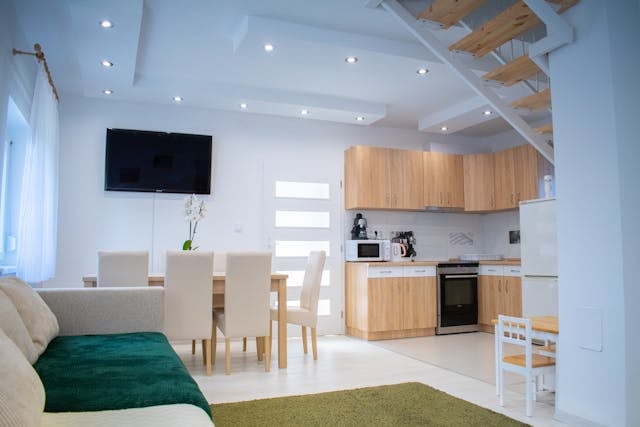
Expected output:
{"points": [[408, 404]]}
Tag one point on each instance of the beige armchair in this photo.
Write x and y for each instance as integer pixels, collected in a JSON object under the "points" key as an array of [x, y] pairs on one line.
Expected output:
{"points": [[188, 298], [123, 268], [306, 314], [246, 302]]}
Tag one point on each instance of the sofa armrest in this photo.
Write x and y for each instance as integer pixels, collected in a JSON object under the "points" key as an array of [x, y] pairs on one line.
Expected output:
{"points": [[89, 311]]}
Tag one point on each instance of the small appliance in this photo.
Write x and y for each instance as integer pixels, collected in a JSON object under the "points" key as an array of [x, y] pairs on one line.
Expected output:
{"points": [[367, 250], [359, 230], [407, 239]]}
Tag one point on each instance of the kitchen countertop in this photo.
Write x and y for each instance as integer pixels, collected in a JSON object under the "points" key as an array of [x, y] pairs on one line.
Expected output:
{"points": [[506, 261]]}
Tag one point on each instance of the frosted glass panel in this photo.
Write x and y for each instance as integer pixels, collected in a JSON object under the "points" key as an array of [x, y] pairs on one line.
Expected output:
{"points": [[297, 276], [302, 190], [300, 248], [300, 219]]}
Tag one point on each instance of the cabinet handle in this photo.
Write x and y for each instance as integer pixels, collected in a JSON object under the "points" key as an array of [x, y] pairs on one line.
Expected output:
{"points": [[499, 285], [512, 199], [448, 199], [518, 197]]}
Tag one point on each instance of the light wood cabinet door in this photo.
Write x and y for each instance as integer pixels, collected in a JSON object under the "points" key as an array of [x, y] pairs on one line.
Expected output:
{"points": [[504, 178], [384, 304], [419, 302], [366, 173], [510, 301], [443, 180], [487, 299], [478, 182], [406, 180]]}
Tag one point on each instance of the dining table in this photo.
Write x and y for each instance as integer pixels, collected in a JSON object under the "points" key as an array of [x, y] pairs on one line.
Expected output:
{"points": [[278, 285], [543, 328]]}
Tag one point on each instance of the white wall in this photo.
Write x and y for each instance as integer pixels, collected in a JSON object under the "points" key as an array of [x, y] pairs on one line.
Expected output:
{"points": [[595, 96]]}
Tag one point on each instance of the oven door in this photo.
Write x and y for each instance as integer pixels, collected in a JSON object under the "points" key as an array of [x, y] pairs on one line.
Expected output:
{"points": [[457, 303]]}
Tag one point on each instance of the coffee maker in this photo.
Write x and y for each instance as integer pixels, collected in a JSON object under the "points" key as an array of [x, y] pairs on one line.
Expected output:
{"points": [[359, 229], [406, 238]]}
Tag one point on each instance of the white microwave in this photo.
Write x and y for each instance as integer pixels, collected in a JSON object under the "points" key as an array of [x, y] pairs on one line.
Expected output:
{"points": [[368, 250]]}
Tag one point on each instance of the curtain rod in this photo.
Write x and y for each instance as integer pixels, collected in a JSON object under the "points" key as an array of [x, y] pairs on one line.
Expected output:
{"points": [[39, 54]]}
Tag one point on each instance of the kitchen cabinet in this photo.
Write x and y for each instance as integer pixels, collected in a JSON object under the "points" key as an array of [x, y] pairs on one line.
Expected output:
{"points": [[499, 292], [479, 182], [443, 180], [389, 302], [383, 178]]}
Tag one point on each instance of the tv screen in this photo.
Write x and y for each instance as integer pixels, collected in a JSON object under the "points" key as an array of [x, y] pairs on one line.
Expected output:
{"points": [[138, 160]]}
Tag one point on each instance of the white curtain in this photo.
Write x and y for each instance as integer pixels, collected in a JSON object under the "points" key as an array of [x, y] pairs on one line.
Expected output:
{"points": [[37, 227]]}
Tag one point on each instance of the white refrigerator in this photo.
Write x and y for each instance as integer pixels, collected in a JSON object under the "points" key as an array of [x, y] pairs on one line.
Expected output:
{"points": [[538, 251]]}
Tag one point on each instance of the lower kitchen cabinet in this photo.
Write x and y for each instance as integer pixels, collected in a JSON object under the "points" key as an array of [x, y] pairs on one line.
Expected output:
{"points": [[389, 302], [499, 292]]}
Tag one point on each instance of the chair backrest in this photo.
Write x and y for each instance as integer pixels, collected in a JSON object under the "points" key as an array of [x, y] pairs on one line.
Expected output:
{"points": [[516, 331], [188, 294], [220, 262], [246, 294], [311, 283], [123, 268]]}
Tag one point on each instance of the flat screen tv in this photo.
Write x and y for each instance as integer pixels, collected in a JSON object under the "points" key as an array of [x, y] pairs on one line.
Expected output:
{"points": [[138, 160]]}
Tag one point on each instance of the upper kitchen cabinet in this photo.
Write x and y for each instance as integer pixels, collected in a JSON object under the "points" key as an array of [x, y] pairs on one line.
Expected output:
{"points": [[518, 174], [383, 178], [443, 180], [479, 189]]}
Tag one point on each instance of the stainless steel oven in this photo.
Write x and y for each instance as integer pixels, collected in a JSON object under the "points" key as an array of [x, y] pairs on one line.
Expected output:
{"points": [[457, 297]]}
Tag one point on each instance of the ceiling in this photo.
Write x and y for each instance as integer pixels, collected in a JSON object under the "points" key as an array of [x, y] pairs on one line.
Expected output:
{"points": [[210, 52]]}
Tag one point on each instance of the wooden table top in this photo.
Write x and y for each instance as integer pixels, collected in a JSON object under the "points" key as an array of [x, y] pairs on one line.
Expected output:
{"points": [[541, 323]]}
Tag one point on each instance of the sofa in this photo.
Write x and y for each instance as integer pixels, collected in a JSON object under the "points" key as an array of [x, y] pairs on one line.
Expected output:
{"points": [[91, 356]]}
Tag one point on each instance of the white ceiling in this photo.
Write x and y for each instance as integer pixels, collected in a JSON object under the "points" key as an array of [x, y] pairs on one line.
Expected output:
{"points": [[211, 53]]}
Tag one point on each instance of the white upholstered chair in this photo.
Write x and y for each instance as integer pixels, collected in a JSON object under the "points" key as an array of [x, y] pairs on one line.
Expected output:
{"points": [[246, 302], [306, 314], [123, 268], [219, 266], [188, 298], [517, 331]]}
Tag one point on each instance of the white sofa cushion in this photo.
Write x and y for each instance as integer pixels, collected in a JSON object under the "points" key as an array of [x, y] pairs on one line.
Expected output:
{"points": [[21, 391], [14, 328], [156, 416], [36, 315]]}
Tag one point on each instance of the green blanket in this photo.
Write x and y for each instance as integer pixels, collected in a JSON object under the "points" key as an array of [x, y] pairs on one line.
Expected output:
{"points": [[98, 372]]}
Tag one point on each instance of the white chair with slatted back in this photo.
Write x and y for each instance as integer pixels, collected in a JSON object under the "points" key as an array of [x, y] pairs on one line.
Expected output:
{"points": [[306, 314], [246, 302], [187, 295], [517, 331], [123, 268]]}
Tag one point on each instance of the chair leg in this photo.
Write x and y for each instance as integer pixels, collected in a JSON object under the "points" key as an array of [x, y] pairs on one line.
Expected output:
{"points": [[214, 341], [193, 346], [269, 339], [204, 351], [244, 343], [500, 384], [304, 339], [529, 397], [259, 350], [267, 353], [207, 351], [314, 343], [227, 356]]}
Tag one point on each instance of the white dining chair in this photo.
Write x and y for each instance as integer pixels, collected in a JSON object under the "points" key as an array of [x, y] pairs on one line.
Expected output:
{"points": [[123, 268], [306, 313], [517, 331], [219, 266], [246, 302], [188, 298]]}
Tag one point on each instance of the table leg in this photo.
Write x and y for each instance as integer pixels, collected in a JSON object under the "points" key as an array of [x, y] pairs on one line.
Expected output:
{"points": [[282, 324]]}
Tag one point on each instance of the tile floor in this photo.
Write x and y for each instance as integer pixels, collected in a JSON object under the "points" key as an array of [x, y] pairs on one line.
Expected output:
{"points": [[461, 365]]}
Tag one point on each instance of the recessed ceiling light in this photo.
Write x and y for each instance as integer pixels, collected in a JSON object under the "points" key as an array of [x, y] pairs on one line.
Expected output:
{"points": [[422, 71], [177, 98], [107, 64], [107, 91], [487, 112], [360, 118], [351, 59], [243, 105], [268, 47], [304, 112], [105, 23], [444, 128]]}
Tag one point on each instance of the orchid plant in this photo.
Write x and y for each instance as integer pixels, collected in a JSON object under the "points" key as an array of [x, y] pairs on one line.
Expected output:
{"points": [[194, 210]]}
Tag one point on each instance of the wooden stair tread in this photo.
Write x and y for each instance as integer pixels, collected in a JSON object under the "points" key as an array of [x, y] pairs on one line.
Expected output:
{"points": [[449, 12], [513, 72], [537, 360], [510, 23], [537, 101], [548, 128]]}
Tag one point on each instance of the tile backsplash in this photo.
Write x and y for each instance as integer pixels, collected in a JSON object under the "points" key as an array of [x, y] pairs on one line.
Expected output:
{"points": [[441, 235]]}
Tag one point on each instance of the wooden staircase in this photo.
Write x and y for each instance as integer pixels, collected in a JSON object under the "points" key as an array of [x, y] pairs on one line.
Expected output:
{"points": [[505, 27]]}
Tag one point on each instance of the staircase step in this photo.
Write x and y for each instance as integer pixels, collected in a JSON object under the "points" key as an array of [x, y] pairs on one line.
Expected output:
{"points": [[513, 72], [548, 128], [512, 22], [449, 12], [537, 101]]}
